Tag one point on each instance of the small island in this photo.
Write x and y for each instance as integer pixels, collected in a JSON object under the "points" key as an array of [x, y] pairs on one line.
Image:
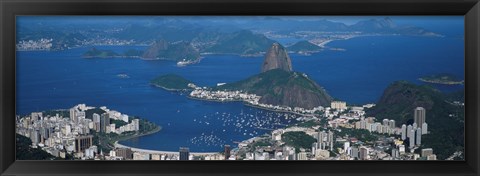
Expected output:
{"points": [[443, 78], [100, 53], [97, 53], [123, 75], [172, 82], [304, 48]]}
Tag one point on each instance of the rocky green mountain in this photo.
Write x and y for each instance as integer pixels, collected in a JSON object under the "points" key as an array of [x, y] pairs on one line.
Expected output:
{"points": [[445, 119], [177, 51], [280, 87], [304, 46], [277, 84], [171, 82], [243, 42]]}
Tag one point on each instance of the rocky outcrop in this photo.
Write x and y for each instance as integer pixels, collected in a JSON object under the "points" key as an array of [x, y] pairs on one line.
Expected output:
{"points": [[283, 88], [178, 51], [277, 58], [153, 51]]}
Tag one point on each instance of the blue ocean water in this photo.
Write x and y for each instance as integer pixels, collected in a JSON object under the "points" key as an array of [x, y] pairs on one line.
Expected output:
{"points": [[62, 79]]}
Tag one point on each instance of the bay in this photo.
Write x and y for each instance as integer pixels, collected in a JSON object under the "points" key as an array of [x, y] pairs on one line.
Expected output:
{"points": [[62, 79]]}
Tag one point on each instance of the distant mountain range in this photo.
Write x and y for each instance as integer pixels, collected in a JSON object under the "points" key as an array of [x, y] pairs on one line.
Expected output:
{"points": [[207, 34], [179, 51], [160, 50], [243, 42]]}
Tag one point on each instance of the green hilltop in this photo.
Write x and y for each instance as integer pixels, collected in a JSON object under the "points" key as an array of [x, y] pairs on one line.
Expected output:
{"points": [[178, 51], [445, 119], [280, 87], [304, 46], [171, 82], [243, 42], [96, 53]]}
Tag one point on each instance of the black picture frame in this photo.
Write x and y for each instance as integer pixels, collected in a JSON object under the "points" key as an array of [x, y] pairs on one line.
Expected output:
{"points": [[470, 9]]}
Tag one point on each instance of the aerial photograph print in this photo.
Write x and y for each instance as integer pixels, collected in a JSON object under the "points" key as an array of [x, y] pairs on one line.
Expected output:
{"points": [[240, 88]]}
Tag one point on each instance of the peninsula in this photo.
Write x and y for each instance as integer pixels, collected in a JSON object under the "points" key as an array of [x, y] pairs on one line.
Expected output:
{"points": [[443, 78], [277, 87], [171, 82]]}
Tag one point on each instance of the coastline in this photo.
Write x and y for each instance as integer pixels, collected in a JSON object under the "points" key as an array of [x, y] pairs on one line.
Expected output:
{"points": [[251, 105], [274, 110], [140, 135], [442, 82], [168, 89], [220, 101], [118, 145]]}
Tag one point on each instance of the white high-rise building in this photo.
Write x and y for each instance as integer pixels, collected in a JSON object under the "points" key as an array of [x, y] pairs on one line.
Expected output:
{"points": [[302, 156], [339, 105], [424, 128], [412, 138], [73, 115], [96, 117], [346, 145], [404, 132], [324, 139], [68, 129], [136, 124], [418, 140], [391, 124], [330, 140], [409, 129], [385, 122]]}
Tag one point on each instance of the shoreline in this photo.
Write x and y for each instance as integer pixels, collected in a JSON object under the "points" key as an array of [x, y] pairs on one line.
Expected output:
{"points": [[118, 145], [140, 135], [168, 89], [274, 110], [440, 82], [251, 105], [213, 100]]}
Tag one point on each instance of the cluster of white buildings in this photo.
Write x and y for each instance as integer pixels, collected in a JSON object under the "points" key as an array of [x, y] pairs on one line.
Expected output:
{"points": [[34, 45], [252, 99], [225, 96], [60, 135], [106, 42], [415, 131], [386, 127]]}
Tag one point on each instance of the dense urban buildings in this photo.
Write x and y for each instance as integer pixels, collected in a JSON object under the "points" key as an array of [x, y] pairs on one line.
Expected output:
{"points": [[62, 136], [59, 135]]}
